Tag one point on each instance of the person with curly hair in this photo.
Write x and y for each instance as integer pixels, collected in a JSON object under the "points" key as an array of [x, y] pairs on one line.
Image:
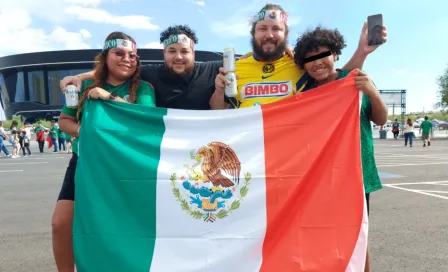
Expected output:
{"points": [[180, 82], [116, 78], [316, 51]]}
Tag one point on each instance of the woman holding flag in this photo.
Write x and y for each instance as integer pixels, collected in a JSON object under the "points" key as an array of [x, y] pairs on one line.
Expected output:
{"points": [[317, 51], [116, 78]]}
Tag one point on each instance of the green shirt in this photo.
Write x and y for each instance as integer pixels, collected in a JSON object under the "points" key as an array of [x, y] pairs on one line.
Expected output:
{"points": [[54, 132], [144, 96], [371, 177], [426, 127], [37, 129], [61, 134]]}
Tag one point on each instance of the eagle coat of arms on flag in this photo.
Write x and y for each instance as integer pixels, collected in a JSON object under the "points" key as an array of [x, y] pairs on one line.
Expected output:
{"points": [[211, 186]]}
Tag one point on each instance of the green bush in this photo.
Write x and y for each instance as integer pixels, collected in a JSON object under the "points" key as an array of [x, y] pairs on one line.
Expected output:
{"points": [[7, 123]]}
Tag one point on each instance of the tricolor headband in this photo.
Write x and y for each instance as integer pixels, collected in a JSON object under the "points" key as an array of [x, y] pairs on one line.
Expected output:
{"points": [[119, 43], [276, 15], [318, 56], [178, 38]]}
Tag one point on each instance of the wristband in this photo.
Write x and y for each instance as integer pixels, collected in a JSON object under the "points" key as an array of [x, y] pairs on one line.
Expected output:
{"points": [[112, 96]]}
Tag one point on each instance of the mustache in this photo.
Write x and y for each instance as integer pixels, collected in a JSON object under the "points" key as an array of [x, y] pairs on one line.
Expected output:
{"points": [[273, 41]]}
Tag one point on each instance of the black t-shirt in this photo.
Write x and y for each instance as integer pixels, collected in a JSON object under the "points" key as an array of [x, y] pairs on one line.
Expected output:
{"points": [[188, 93]]}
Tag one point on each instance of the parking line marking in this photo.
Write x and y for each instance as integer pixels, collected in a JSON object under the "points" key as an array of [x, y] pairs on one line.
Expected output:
{"points": [[417, 191], [424, 182], [411, 164]]}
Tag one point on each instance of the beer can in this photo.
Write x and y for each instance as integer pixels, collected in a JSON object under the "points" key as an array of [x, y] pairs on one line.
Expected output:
{"points": [[229, 59], [231, 89], [71, 96]]}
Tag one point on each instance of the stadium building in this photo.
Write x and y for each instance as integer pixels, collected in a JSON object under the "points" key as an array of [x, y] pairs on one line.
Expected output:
{"points": [[29, 83]]}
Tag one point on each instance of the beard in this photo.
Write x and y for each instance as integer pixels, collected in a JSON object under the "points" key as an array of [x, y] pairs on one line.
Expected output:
{"points": [[269, 56], [186, 73]]}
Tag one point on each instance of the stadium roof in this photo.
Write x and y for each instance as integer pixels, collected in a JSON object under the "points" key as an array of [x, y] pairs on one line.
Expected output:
{"points": [[70, 57]]}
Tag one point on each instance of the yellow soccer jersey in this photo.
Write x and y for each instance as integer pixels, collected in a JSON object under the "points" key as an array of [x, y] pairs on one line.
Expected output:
{"points": [[264, 82]]}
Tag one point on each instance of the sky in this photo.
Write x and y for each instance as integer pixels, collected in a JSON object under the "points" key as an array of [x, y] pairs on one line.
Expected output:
{"points": [[412, 59]]}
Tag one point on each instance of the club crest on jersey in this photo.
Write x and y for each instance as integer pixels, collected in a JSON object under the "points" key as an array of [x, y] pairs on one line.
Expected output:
{"points": [[268, 68], [267, 89]]}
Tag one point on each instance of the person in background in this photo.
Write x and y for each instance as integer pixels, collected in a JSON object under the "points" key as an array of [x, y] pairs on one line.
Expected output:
{"points": [[316, 51], [53, 133], [61, 140], [68, 140], [116, 78], [14, 140], [396, 129], [4, 138], [408, 132], [24, 143], [40, 136], [426, 126]]}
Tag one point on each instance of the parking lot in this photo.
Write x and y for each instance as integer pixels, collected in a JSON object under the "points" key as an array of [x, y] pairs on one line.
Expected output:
{"points": [[408, 220]]}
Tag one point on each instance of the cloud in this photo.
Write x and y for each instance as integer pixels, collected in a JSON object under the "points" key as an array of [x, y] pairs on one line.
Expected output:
{"points": [[85, 33], [154, 45], [201, 11], [37, 9], [21, 37], [91, 3], [199, 3], [102, 16], [70, 40]]}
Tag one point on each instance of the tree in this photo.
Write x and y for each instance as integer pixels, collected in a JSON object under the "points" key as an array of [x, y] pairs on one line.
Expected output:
{"points": [[442, 93]]}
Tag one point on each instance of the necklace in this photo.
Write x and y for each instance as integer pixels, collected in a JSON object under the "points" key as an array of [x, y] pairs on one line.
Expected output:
{"points": [[114, 88]]}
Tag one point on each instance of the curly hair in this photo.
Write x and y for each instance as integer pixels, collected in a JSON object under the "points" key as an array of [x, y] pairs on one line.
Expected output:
{"points": [[311, 40], [178, 29], [254, 21], [101, 73]]}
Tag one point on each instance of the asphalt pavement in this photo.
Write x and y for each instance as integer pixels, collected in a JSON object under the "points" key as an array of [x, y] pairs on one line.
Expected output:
{"points": [[408, 217]]}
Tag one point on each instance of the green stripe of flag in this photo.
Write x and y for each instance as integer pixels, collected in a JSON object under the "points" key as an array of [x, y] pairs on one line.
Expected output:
{"points": [[118, 161]]}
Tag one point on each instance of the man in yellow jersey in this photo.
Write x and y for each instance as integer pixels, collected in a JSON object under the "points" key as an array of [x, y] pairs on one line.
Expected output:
{"points": [[269, 75]]}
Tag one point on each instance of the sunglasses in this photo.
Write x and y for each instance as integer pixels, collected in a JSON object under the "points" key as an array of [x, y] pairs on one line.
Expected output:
{"points": [[121, 54]]}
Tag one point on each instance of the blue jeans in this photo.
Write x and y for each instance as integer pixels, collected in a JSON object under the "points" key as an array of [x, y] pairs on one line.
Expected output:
{"points": [[55, 144], [3, 147], [408, 135], [61, 144]]}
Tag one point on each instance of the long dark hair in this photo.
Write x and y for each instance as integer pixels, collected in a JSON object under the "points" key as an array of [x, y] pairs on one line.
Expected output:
{"points": [[410, 123], [13, 124], [102, 72]]}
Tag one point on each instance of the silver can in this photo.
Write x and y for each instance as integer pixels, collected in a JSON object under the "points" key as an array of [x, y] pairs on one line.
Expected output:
{"points": [[71, 96], [232, 88], [229, 59]]}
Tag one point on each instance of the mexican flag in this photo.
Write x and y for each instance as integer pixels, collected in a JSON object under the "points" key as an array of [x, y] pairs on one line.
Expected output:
{"points": [[270, 188]]}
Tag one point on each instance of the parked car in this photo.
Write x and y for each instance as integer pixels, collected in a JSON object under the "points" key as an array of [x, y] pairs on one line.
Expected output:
{"points": [[443, 126]]}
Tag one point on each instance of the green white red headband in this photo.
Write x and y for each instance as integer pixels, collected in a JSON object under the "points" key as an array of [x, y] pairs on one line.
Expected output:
{"points": [[119, 43], [275, 15], [178, 38]]}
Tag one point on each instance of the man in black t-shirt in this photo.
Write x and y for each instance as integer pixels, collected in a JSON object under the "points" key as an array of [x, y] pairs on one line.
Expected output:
{"points": [[179, 83]]}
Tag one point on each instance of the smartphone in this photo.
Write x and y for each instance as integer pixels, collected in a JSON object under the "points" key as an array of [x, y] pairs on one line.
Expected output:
{"points": [[375, 29]]}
